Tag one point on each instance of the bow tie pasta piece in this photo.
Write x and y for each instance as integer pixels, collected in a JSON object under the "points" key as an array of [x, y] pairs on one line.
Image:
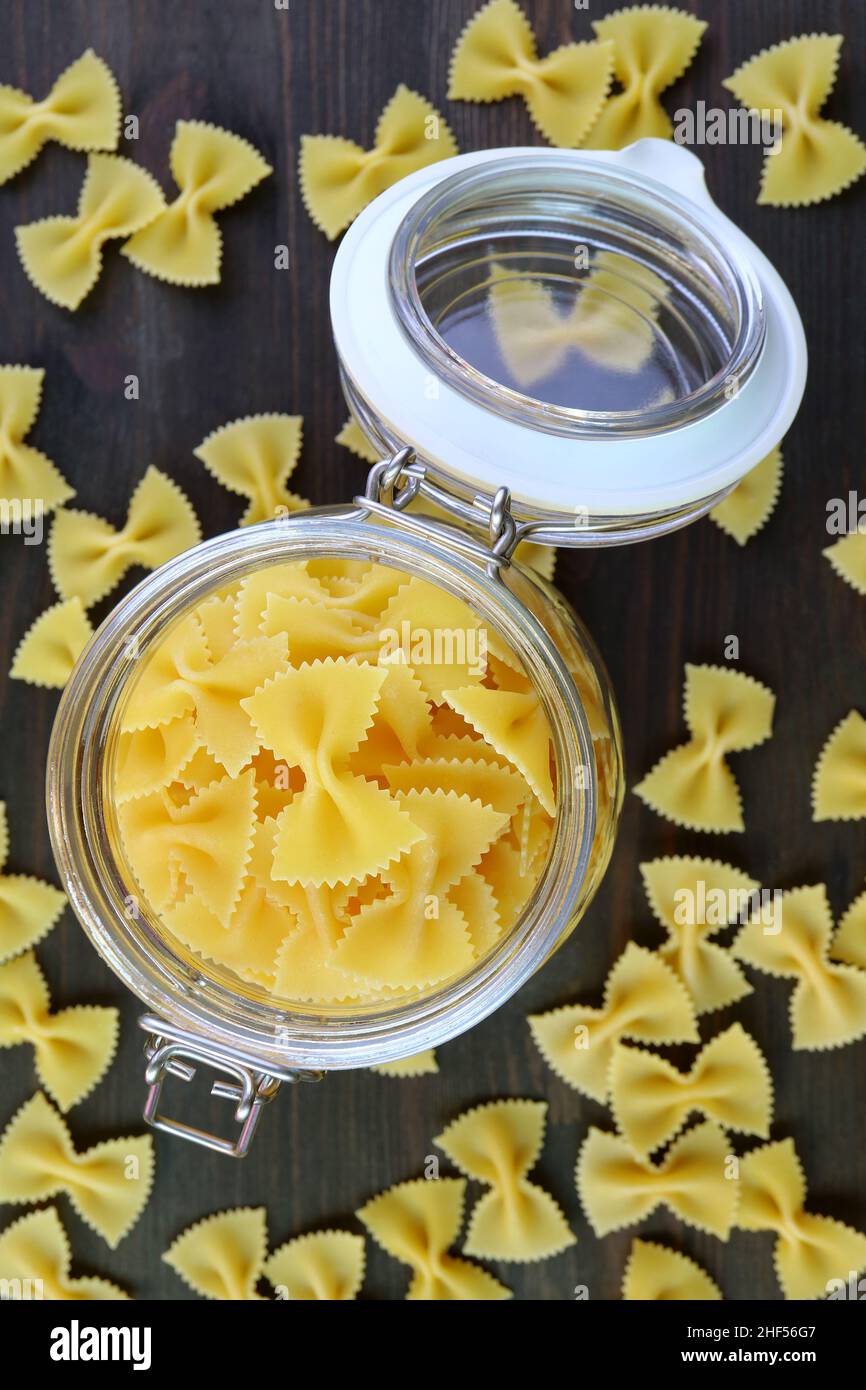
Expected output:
{"points": [[849, 943], [496, 57], [497, 1144], [62, 256], [652, 47], [28, 907], [401, 725], [726, 712], [339, 827], [162, 691], [74, 1047], [312, 631], [417, 1223], [416, 936], [255, 457], [108, 1185], [655, 1274], [643, 1001], [307, 968], [695, 1180], [88, 557], [52, 644], [35, 1248], [213, 170], [367, 596], [27, 477], [693, 899], [848, 558], [222, 1257], [729, 1082], [813, 1253], [325, 1266], [436, 635], [828, 1005], [250, 943], [492, 785], [420, 1064], [816, 159], [839, 781], [514, 723], [749, 507], [82, 112], [338, 178], [208, 840]]}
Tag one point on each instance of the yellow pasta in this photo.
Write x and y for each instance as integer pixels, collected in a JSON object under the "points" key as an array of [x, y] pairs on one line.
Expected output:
{"points": [[213, 170], [255, 457], [81, 111], [34, 1250], [514, 723], [849, 943], [496, 57], [749, 507], [848, 558], [338, 178], [73, 1047], [828, 1005], [816, 159], [696, 1180], [813, 1253], [52, 644], [728, 1082], [419, 1064], [325, 1266], [417, 1223], [62, 256], [222, 1257], [839, 781], [28, 907], [655, 1274], [693, 899], [726, 712], [652, 47], [643, 1001], [497, 1144], [108, 1185], [88, 557], [27, 477]]}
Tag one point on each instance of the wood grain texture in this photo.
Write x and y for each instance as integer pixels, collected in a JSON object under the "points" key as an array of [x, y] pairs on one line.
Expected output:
{"points": [[261, 341]]}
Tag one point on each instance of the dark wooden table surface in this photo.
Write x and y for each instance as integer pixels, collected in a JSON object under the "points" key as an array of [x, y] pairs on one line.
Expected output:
{"points": [[260, 341]]}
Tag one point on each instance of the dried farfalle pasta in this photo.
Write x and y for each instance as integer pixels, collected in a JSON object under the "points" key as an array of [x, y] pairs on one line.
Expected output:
{"points": [[848, 558], [496, 57], [73, 1047], [27, 477], [34, 1252], [749, 507], [417, 1222], [849, 943], [693, 899], [813, 1253], [726, 712], [255, 457], [497, 1144], [81, 111], [108, 1185], [28, 907], [87, 556], [213, 170], [816, 159], [352, 437], [62, 256], [52, 644], [696, 1180], [419, 1064], [839, 780], [515, 724], [643, 1001], [728, 1082], [325, 1266], [222, 1256], [828, 1005], [652, 47], [338, 178], [656, 1274]]}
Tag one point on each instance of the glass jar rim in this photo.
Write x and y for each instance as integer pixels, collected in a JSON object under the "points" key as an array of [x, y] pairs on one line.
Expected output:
{"points": [[260, 1030], [526, 177]]}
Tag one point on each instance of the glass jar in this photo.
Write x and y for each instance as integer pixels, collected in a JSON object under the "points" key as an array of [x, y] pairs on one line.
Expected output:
{"points": [[629, 291]]}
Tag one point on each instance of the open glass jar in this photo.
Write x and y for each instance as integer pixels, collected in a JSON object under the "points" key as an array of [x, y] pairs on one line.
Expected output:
{"points": [[433, 293]]}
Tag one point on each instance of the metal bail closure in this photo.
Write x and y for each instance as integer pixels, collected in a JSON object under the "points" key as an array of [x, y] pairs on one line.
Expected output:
{"points": [[171, 1051]]}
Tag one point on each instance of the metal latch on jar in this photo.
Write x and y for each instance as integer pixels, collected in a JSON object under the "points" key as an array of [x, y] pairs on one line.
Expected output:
{"points": [[171, 1051]]}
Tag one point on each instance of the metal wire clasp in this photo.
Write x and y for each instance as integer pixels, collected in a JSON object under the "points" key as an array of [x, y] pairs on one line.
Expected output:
{"points": [[174, 1052]]}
